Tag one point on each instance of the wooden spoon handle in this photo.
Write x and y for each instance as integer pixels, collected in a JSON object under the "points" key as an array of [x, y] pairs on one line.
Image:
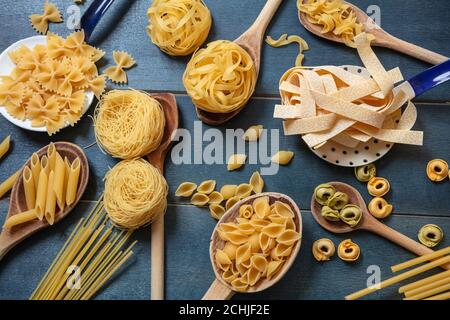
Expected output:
{"points": [[218, 291], [400, 239], [157, 263], [261, 23], [412, 50]]}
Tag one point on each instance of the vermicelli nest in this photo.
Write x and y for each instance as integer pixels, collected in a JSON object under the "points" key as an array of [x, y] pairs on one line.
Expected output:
{"points": [[220, 78], [178, 27], [135, 194], [129, 123]]}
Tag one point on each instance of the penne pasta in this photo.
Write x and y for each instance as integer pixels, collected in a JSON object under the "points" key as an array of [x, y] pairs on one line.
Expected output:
{"points": [[72, 183], [58, 184], [4, 146], [44, 165], [20, 218], [7, 185], [35, 166], [41, 195], [50, 202], [51, 155], [29, 188]]}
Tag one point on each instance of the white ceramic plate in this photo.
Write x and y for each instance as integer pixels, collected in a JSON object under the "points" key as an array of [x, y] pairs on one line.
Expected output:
{"points": [[6, 67]]}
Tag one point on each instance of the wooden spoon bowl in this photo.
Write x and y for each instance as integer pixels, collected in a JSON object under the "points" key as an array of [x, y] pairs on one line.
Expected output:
{"points": [[382, 38], [221, 290], [368, 222], [11, 237]]}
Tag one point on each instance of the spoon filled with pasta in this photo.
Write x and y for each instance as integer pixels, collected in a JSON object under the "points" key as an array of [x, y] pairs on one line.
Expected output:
{"points": [[340, 208], [254, 244], [221, 78]]}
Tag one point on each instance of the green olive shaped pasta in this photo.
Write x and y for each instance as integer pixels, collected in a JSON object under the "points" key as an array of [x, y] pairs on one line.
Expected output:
{"points": [[366, 172], [351, 214], [430, 235], [323, 192], [338, 200], [330, 214]]}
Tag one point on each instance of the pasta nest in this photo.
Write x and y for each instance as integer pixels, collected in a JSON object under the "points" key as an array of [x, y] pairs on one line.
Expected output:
{"points": [[220, 78], [178, 27], [129, 123], [135, 193]]}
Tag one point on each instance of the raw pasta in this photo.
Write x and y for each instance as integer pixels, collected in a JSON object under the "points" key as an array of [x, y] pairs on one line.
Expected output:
{"points": [[4, 146], [257, 182], [58, 185], [283, 157], [72, 182], [50, 202], [215, 197], [220, 78], [20, 218], [185, 189], [29, 188], [228, 191], [206, 187], [285, 40], [41, 195], [236, 161], [217, 211], [35, 165], [39, 22], [7, 185], [178, 27], [253, 133], [123, 61], [243, 190], [199, 199]]}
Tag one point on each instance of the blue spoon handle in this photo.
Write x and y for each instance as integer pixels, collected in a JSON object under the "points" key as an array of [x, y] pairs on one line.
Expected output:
{"points": [[430, 78], [93, 15]]}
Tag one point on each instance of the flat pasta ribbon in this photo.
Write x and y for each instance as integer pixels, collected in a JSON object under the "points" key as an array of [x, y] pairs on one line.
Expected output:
{"points": [[284, 40], [123, 61], [40, 22]]}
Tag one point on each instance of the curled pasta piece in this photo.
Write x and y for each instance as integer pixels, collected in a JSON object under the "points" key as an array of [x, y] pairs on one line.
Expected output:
{"points": [[259, 262], [437, 170], [378, 187], [246, 211], [283, 209], [253, 276], [185, 189], [330, 214], [217, 211], [430, 235], [236, 161], [273, 267], [220, 78], [338, 200], [257, 182], [244, 190], [351, 214], [258, 223], [283, 157], [123, 61], [246, 228], [285, 40], [273, 230], [323, 192], [231, 202], [379, 208], [366, 172], [261, 207], [39, 22], [323, 249], [243, 253], [280, 252], [229, 276], [239, 284], [178, 27], [215, 198], [236, 237], [348, 251], [265, 242], [288, 237], [206, 187], [199, 199], [228, 191], [222, 260], [253, 133]]}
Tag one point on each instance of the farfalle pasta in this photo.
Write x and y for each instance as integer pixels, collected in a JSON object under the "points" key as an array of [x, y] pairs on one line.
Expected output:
{"points": [[49, 82], [254, 246], [51, 13], [123, 61]]}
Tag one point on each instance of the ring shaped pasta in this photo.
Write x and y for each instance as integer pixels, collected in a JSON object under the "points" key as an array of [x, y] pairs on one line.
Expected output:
{"points": [[323, 192], [430, 235], [220, 78], [378, 187], [129, 123], [351, 214], [366, 172], [135, 194], [348, 251], [178, 27], [379, 208], [437, 170], [323, 249]]}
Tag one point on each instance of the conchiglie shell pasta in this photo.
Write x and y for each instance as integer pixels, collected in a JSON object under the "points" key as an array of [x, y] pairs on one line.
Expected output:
{"points": [[217, 211], [282, 157], [273, 230], [246, 211], [254, 243], [222, 260], [283, 209], [229, 276], [206, 187], [185, 189], [258, 224], [215, 198], [273, 268], [259, 262], [239, 284], [231, 202], [261, 207], [199, 199], [236, 161], [288, 237], [243, 253], [244, 190], [253, 133], [253, 276], [257, 182], [230, 250], [228, 191]]}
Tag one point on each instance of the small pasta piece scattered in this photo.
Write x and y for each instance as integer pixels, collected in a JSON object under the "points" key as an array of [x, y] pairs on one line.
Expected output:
{"points": [[7, 185], [236, 161], [366, 172], [123, 61], [199, 199], [228, 191], [348, 251], [437, 170], [378, 187], [231, 202], [285, 40], [253, 133], [39, 22], [206, 187], [323, 249], [257, 182], [283, 157], [380, 208], [4, 146], [185, 189], [351, 214], [217, 211], [244, 190], [430, 235]]}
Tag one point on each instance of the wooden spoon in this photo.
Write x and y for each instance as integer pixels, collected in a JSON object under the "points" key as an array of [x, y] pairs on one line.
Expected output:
{"points": [[368, 222], [221, 290], [11, 237], [251, 41], [157, 158], [382, 38]]}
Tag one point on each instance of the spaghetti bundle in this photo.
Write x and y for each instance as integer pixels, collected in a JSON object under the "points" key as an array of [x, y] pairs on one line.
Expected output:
{"points": [[220, 78], [129, 123], [135, 193], [178, 27]]}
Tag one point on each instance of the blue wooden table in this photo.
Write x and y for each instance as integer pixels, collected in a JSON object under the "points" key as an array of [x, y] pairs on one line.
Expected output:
{"points": [[416, 200]]}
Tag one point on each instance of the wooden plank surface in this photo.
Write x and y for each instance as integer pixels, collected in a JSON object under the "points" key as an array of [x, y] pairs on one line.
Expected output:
{"points": [[124, 28]]}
